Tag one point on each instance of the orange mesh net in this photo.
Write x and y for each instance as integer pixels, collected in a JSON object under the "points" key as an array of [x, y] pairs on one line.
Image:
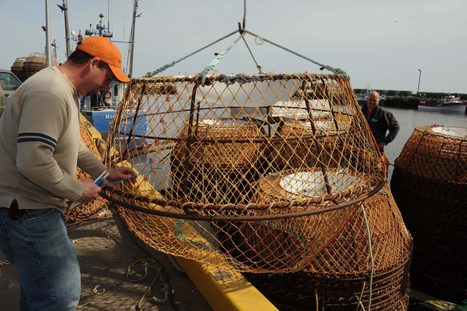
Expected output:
{"points": [[348, 253], [191, 141], [83, 211], [262, 172], [352, 271], [436, 152]]}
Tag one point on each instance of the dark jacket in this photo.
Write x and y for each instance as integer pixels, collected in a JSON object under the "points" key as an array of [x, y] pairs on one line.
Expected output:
{"points": [[381, 121]]}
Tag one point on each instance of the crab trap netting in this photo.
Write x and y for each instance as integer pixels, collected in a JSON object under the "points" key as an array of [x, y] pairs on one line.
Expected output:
{"points": [[429, 183], [264, 171], [364, 266], [85, 210]]}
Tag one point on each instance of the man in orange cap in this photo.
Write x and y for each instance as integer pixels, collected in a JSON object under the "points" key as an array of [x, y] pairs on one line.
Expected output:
{"points": [[40, 148], [93, 65]]}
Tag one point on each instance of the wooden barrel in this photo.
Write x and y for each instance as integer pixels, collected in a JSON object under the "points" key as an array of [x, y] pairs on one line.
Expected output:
{"points": [[36, 62], [17, 68]]}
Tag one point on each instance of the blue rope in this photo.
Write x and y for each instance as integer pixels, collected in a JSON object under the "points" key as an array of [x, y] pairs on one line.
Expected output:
{"points": [[216, 60], [171, 64]]}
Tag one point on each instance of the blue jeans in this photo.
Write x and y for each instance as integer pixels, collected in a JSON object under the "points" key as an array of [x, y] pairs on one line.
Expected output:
{"points": [[44, 257]]}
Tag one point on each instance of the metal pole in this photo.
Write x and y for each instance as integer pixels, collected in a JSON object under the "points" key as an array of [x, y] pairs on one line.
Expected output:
{"points": [[419, 78], [108, 15], [67, 28], [47, 35], [132, 38], [54, 45]]}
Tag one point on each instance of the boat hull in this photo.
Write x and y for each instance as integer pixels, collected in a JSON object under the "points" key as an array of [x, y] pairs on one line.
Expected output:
{"points": [[447, 108], [100, 119]]}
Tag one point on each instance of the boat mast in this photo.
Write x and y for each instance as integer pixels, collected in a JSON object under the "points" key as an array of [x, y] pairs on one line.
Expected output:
{"points": [[47, 35], [132, 38], [64, 8], [108, 15]]}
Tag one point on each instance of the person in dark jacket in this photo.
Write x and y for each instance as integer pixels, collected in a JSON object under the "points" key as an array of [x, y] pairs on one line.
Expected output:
{"points": [[383, 124]]}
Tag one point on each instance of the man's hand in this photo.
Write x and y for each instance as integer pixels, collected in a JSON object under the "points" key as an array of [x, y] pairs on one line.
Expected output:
{"points": [[121, 173], [90, 190]]}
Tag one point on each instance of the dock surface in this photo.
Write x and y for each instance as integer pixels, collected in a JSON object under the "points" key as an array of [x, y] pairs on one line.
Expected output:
{"points": [[106, 252]]}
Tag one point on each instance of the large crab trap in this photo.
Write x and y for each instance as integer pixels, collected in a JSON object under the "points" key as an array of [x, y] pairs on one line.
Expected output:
{"points": [[429, 183], [263, 169]]}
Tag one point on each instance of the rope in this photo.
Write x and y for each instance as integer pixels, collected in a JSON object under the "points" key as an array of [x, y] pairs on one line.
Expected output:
{"points": [[359, 298], [252, 56], [217, 60], [95, 291], [322, 66], [161, 277], [244, 14], [360, 305], [220, 56], [372, 260], [242, 30], [316, 299], [171, 64]]}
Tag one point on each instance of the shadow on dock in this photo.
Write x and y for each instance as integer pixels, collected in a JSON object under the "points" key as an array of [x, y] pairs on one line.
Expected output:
{"points": [[116, 274]]}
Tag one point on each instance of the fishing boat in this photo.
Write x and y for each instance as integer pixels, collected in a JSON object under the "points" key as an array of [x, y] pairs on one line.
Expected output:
{"points": [[99, 108], [449, 103]]}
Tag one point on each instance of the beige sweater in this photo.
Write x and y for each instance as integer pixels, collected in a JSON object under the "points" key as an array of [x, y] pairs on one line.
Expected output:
{"points": [[40, 144]]}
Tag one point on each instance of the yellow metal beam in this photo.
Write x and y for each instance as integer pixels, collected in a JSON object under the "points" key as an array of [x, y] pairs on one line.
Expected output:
{"points": [[225, 289]]}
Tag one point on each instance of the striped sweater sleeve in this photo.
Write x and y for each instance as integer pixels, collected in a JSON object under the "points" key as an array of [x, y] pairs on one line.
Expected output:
{"points": [[88, 162], [44, 117]]}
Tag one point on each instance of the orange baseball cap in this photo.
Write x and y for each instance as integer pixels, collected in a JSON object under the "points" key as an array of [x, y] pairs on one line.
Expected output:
{"points": [[104, 49]]}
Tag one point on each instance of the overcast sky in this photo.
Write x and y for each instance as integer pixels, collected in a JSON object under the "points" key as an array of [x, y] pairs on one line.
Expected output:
{"points": [[381, 44]]}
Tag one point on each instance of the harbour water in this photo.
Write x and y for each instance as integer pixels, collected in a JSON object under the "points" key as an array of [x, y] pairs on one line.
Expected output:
{"points": [[410, 119]]}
